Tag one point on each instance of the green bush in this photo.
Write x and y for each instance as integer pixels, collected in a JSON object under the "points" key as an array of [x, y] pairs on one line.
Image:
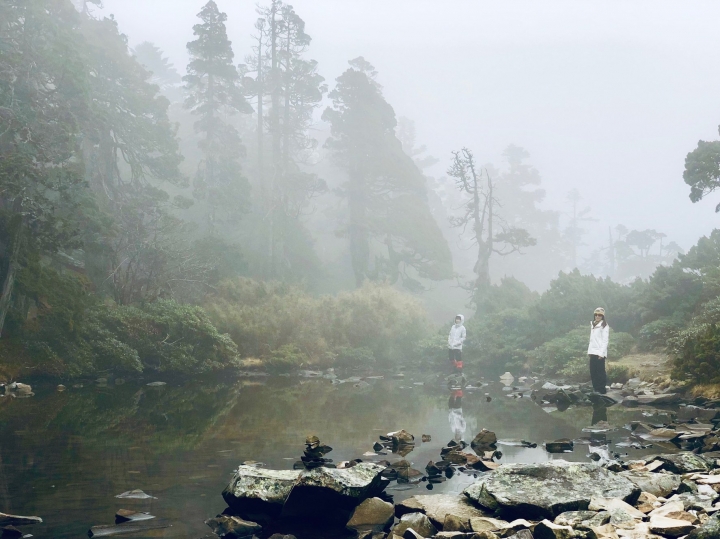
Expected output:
{"points": [[557, 354], [286, 358], [654, 335], [696, 349], [263, 317]]}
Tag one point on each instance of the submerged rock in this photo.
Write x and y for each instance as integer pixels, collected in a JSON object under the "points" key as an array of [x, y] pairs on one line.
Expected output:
{"points": [[128, 527], [136, 494], [548, 489], [17, 520], [233, 527]]}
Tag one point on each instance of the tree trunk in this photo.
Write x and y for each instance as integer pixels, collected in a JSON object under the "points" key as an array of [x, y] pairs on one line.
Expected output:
{"points": [[12, 266]]}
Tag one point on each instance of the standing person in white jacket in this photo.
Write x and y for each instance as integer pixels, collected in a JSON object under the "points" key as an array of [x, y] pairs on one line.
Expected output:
{"points": [[455, 342], [597, 350]]}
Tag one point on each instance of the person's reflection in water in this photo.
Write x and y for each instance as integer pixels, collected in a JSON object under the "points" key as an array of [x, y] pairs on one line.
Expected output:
{"points": [[599, 415], [455, 417]]}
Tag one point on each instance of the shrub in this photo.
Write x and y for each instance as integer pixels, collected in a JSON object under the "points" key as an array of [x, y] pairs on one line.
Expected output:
{"points": [[578, 370], [286, 358], [696, 349], [263, 317], [557, 354], [655, 335], [353, 357]]}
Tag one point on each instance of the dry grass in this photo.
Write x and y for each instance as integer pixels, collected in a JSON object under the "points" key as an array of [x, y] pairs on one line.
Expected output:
{"points": [[647, 366], [252, 363], [710, 391]]}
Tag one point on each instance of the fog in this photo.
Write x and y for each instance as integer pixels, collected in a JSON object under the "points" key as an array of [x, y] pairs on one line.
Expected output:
{"points": [[607, 97]]}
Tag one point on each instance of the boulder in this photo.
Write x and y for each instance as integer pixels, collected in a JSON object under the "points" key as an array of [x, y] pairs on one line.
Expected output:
{"points": [[548, 530], [331, 493], [372, 513], [612, 505], [11, 532], [582, 520], [681, 463], [696, 502], [659, 484], [438, 506], [547, 489], [418, 522], [251, 486], [484, 440], [482, 524], [454, 523], [709, 530], [522, 534], [233, 527]]}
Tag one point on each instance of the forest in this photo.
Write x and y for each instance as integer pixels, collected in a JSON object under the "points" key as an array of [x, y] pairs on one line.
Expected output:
{"points": [[245, 212]]}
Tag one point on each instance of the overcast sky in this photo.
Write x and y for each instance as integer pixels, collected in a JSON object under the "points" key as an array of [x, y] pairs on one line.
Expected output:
{"points": [[607, 96]]}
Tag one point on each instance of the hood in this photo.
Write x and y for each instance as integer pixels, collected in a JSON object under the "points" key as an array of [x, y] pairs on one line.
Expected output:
{"points": [[462, 319]]}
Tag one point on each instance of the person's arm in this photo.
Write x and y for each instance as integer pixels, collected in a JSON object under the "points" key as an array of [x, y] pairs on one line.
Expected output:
{"points": [[450, 344], [463, 333], [605, 340]]}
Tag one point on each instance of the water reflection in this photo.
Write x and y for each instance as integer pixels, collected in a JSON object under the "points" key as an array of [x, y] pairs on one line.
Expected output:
{"points": [[458, 426], [65, 455]]}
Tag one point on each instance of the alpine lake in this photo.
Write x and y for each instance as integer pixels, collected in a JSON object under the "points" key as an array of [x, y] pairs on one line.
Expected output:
{"points": [[66, 455]]}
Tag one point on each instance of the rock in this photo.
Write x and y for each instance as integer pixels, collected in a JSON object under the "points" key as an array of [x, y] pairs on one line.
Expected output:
{"points": [[612, 505], [438, 506], [659, 484], [681, 463], [606, 531], [481, 524], [548, 489], [330, 492], [61, 387], [696, 502], [663, 398], [418, 522], [281, 536], [484, 440], [136, 494], [233, 527], [582, 520], [125, 515], [129, 527], [686, 413], [670, 527], [250, 485], [372, 513], [709, 530], [401, 437], [156, 384], [487, 535], [646, 502], [669, 507], [559, 446], [17, 520], [454, 523], [412, 534], [549, 530], [630, 401], [522, 534]]}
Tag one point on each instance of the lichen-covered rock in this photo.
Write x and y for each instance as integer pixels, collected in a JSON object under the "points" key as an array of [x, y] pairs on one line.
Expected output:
{"points": [[356, 482], [583, 520], [681, 463], [547, 489], [709, 530], [372, 513], [251, 483], [659, 484], [438, 506]]}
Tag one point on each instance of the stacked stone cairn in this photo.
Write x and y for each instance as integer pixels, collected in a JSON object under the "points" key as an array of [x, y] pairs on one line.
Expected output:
{"points": [[314, 453]]}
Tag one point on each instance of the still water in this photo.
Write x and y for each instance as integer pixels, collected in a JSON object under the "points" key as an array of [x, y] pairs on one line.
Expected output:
{"points": [[64, 456]]}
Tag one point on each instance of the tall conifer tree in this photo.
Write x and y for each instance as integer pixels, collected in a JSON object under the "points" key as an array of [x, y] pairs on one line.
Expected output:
{"points": [[213, 91], [391, 230]]}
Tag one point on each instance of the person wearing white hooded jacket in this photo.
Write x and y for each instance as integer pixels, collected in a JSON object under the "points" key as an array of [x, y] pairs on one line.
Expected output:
{"points": [[455, 341], [598, 350]]}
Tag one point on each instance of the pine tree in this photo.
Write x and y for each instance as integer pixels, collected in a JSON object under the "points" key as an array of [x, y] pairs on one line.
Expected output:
{"points": [[390, 222], [213, 91]]}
